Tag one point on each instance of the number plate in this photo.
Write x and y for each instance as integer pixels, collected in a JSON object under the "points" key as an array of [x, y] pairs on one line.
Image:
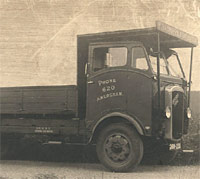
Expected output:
{"points": [[175, 146]]}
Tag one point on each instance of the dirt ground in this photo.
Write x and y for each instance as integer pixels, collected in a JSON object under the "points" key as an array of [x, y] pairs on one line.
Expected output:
{"points": [[77, 162], [16, 169]]}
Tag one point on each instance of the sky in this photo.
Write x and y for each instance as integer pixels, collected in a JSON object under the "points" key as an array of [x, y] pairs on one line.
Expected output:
{"points": [[38, 38]]}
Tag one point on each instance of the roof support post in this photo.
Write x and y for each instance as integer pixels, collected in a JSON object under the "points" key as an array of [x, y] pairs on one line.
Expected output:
{"points": [[158, 67], [190, 76]]}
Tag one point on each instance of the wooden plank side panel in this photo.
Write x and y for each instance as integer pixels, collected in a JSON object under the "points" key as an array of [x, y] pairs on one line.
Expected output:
{"points": [[10, 100], [72, 100], [44, 93], [43, 100], [10, 107], [49, 99], [10, 93], [44, 107]]}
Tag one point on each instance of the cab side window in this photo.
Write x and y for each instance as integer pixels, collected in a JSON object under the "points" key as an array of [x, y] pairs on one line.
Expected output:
{"points": [[139, 60], [105, 57]]}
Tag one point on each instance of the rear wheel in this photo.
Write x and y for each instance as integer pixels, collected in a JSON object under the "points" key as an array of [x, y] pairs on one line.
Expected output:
{"points": [[119, 147]]}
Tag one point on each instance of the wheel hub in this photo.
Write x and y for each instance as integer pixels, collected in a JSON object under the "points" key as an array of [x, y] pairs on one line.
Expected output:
{"points": [[117, 148]]}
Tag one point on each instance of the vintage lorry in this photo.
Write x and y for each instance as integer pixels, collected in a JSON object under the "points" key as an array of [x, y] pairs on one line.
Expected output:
{"points": [[131, 98]]}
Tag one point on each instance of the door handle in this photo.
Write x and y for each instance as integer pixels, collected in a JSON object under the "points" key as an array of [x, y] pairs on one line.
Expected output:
{"points": [[90, 82]]}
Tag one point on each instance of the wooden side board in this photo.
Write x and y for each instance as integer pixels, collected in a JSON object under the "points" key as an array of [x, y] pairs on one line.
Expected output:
{"points": [[38, 100]]}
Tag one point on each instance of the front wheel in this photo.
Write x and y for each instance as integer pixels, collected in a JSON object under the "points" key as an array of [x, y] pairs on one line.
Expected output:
{"points": [[119, 147]]}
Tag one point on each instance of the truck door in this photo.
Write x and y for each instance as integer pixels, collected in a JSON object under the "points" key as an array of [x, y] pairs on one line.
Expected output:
{"points": [[139, 86], [106, 81], [119, 80]]}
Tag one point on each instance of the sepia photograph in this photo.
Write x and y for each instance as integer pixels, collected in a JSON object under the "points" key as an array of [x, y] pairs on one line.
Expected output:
{"points": [[99, 89]]}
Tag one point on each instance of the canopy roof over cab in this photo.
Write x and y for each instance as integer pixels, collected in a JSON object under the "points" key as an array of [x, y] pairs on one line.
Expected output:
{"points": [[169, 36]]}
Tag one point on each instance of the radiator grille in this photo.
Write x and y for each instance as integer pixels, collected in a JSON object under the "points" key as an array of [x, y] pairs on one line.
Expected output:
{"points": [[177, 114]]}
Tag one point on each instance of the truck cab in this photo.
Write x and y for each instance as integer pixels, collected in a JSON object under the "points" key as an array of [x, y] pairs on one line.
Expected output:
{"points": [[135, 78]]}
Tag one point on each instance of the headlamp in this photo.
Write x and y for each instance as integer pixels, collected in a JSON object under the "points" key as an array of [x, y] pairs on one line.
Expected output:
{"points": [[189, 113], [168, 112]]}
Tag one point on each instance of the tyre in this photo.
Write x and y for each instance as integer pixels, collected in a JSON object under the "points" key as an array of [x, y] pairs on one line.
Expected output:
{"points": [[119, 147]]}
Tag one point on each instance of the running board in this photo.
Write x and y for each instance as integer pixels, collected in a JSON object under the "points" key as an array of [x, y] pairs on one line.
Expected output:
{"points": [[60, 142], [53, 142]]}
